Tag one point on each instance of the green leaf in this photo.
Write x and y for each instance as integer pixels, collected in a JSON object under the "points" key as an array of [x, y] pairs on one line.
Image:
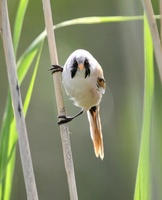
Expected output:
{"points": [[19, 22], [143, 182], [28, 56], [25, 62], [84, 20], [6, 161], [31, 85], [99, 19]]}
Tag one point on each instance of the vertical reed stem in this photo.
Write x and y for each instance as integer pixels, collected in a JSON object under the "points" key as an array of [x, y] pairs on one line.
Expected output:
{"points": [[64, 131]]}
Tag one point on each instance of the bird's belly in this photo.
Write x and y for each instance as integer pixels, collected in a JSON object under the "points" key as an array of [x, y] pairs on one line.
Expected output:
{"points": [[83, 92]]}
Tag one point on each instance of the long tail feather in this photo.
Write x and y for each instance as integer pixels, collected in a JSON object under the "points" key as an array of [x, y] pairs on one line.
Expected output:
{"points": [[96, 131]]}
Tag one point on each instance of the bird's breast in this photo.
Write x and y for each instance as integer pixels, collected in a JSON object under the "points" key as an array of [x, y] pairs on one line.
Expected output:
{"points": [[83, 91]]}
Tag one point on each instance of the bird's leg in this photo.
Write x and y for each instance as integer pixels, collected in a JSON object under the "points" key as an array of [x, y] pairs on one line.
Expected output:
{"points": [[55, 68], [66, 119]]}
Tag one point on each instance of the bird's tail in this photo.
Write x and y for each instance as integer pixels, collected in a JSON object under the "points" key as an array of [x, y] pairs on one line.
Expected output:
{"points": [[96, 131]]}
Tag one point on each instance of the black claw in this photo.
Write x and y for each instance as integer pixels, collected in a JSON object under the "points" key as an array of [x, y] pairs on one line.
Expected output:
{"points": [[64, 119], [62, 116], [55, 68]]}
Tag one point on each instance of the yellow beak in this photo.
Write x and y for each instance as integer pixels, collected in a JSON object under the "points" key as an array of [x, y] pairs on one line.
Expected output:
{"points": [[81, 66]]}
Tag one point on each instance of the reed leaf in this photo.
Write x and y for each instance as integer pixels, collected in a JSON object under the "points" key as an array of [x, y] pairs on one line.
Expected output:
{"points": [[143, 177]]}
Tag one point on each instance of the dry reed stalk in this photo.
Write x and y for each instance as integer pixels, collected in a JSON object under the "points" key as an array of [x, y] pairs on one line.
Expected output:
{"points": [[64, 130]]}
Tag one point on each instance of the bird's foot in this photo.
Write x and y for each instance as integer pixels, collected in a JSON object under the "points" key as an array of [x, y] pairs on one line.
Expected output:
{"points": [[55, 68], [64, 119]]}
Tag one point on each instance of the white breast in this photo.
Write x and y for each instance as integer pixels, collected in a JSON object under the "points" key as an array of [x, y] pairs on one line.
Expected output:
{"points": [[83, 91]]}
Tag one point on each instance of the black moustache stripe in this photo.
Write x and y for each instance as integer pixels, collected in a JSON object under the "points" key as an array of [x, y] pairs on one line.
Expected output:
{"points": [[87, 67], [74, 68], [73, 72], [87, 72]]}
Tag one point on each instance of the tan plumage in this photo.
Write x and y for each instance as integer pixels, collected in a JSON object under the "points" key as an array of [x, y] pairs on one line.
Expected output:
{"points": [[96, 131]]}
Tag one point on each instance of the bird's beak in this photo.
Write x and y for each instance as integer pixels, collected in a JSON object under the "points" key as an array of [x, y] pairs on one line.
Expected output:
{"points": [[81, 66]]}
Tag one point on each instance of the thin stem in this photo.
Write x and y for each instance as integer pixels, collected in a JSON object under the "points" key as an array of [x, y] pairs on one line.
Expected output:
{"points": [[17, 103], [161, 20], [64, 131]]}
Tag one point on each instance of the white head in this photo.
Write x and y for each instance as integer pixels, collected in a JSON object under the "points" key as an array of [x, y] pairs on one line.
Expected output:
{"points": [[81, 60]]}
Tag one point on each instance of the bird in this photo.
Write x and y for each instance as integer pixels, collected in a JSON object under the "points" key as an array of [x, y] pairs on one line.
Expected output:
{"points": [[84, 82]]}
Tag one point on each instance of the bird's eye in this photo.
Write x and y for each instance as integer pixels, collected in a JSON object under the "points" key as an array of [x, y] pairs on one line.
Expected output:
{"points": [[101, 80], [101, 83]]}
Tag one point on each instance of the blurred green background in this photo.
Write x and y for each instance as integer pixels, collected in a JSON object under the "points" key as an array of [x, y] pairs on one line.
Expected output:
{"points": [[118, 47]]}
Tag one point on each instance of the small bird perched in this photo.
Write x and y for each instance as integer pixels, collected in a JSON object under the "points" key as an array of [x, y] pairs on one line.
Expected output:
{"points": [[83, 80]]}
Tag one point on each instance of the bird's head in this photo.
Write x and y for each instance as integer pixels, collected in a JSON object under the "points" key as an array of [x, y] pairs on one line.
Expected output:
{"points": [[80, 63]]}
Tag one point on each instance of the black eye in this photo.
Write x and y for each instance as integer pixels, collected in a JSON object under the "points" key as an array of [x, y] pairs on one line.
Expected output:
{"points": [[74, 68], [101, 80]]}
